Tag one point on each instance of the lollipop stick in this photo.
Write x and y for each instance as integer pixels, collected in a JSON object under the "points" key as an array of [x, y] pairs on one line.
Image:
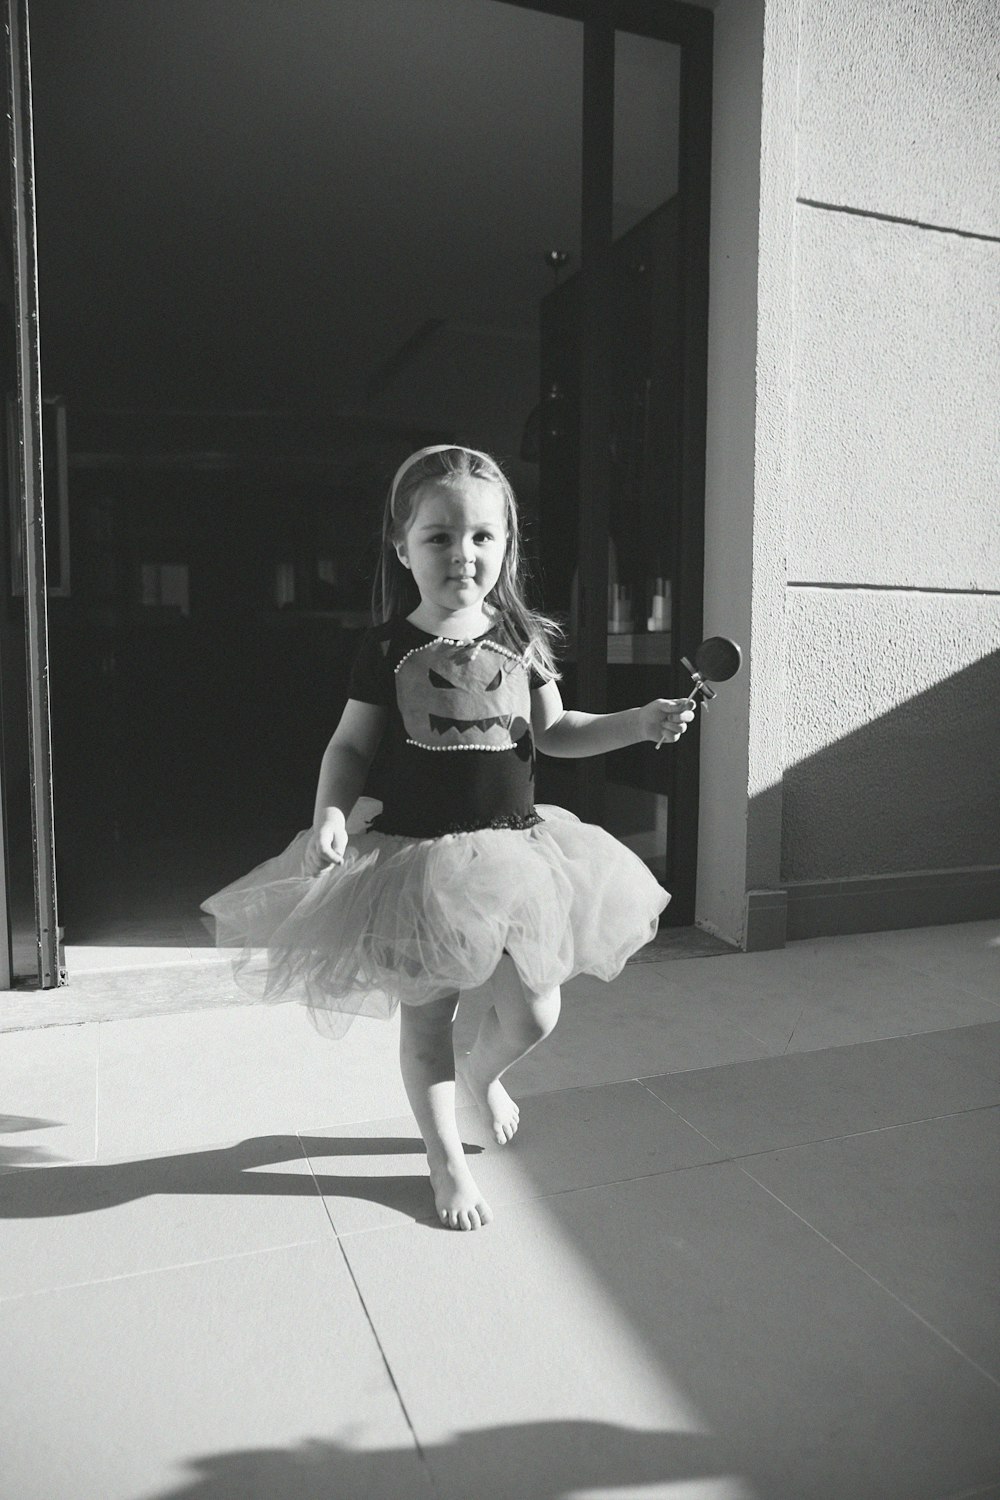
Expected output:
{"points": [[699, 687]]}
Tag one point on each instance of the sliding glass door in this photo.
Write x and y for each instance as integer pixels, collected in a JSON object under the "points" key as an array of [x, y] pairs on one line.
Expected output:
{"points": [[29, 943]]}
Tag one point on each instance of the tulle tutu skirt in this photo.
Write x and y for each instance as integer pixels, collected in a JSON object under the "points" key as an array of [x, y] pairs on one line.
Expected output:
{"points": [[406, 920]]}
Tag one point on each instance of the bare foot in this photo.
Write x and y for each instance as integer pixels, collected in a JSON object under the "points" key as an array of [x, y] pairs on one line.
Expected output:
{"points": [[497, 1108], [459, 1202]]}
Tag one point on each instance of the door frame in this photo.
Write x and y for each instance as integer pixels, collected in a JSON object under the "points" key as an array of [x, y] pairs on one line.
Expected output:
{"points": [[688, 27], [30, 498]]}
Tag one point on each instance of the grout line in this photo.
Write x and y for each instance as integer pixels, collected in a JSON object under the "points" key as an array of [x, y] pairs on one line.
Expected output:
{"points": [[715, 1145], [849, 1135], [791, 1034], [705, 1067], [388, 1367], [857, 1135], [321, 1195], [97, 1096], [987, 1375], [370, 1320], [180, 1265], [869, 213], [725, 1158]]}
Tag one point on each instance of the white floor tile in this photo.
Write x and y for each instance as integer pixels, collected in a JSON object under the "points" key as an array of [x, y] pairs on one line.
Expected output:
{"points": [[376, 1174], [965, 953], [100, 958], [48, 1095], [809, 1096], [251, 1378], [220, 1075], [917, 1207], [66, 1226], [974, 1047], [641, 1022], [690, 1306], [833, 994]]}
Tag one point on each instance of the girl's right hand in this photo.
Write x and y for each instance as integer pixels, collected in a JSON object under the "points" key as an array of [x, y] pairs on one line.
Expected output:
{"points": [[327, 842]]}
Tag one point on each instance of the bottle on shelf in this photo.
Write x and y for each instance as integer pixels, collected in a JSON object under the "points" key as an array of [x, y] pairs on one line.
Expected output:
{"points": [[284, 584], [620, 617], [660, 603]]}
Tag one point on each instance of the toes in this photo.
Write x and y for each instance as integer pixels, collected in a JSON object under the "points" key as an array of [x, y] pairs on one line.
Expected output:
{"points": [[466, 1218], [505, 1130]]}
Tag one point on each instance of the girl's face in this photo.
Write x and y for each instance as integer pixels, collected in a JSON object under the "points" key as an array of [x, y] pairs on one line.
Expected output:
{"points": [[454, 545]]}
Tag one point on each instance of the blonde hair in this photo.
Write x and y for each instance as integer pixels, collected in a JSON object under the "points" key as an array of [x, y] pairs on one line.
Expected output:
{"points": [[394, 593]]}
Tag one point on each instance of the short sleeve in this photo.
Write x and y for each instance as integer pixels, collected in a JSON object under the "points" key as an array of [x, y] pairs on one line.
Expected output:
{"points": [[371, 679]]}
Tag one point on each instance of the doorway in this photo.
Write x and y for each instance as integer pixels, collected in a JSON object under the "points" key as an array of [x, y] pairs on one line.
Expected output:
{"points": [[251, 323]]}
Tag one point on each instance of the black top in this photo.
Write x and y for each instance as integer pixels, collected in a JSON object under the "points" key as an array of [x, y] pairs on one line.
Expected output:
{"points": [[460, 750]]}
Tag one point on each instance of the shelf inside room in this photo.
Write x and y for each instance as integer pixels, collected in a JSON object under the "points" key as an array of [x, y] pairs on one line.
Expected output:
{"points": [[644, 649]]}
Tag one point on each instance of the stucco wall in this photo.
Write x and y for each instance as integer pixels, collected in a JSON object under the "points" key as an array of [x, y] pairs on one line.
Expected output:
{"points": [[895, 455], [898, 109], [853, 518], [893, 761], [893, 515]]}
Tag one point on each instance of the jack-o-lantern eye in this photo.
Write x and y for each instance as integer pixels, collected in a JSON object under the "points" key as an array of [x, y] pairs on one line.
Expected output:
{"points": [[436, 680]]}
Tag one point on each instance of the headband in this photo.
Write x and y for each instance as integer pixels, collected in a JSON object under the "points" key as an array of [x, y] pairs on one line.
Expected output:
{"points": [[422, 453]]}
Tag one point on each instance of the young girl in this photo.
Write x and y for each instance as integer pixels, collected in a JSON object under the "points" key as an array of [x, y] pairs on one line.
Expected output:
{"points": [[459, 878]]}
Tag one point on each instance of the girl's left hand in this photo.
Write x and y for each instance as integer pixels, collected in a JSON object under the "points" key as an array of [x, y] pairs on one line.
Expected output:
{"points": [[665, 719]]}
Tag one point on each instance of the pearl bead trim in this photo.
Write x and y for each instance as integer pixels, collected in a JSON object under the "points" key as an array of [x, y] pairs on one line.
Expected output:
{"points": [[444, 640], [435, 748]]}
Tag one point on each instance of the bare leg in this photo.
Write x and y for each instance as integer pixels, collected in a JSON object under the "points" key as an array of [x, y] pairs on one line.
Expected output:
{"points": [[516, 1022], [427, 1063]]}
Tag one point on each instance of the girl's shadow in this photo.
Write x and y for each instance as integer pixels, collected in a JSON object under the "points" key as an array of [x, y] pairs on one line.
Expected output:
{"points": [[546, 1460], [82, 1188]]}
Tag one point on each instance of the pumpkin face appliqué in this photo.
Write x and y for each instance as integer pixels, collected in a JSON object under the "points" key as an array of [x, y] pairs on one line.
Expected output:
{"points": [[463, 696]]}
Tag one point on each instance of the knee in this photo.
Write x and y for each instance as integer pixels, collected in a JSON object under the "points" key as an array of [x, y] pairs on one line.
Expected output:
{"points": [[539, 1016]]}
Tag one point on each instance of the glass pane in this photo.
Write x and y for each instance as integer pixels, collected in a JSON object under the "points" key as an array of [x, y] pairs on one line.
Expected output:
{"points": [[279, 250], [645, 426]]}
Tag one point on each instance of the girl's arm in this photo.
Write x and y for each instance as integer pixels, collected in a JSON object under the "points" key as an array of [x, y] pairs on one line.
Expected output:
{"points": [[566, 732], [342, 775]]}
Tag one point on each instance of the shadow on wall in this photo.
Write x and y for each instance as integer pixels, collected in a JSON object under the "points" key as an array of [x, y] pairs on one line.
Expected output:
{"points": [[916, 789]]}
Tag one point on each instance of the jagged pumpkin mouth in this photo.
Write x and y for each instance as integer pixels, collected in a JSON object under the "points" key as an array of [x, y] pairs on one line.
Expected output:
{"points": [[440, 724]]}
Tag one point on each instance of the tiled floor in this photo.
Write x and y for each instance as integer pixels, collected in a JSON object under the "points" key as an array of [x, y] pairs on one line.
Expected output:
{"points": [[746, 1247]]}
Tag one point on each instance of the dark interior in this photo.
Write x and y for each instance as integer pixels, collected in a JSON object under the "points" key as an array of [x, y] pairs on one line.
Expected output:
{"points": [[278, 249]]}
